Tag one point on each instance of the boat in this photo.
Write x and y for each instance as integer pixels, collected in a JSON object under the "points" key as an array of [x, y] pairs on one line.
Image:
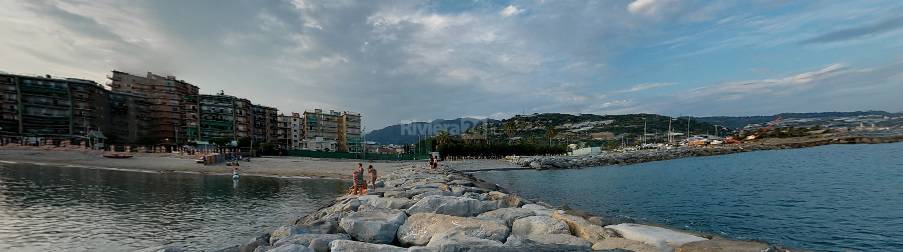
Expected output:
{"points": [[117, 155]]}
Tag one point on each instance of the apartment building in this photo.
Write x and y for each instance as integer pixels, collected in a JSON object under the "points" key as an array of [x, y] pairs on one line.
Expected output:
{"points": [[291, 131], [167, 97], [264, 123], [349, 132], [321, 130], [45, 108]]}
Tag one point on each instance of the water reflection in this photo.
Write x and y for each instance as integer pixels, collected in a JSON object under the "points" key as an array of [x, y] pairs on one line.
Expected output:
{"points": [[76, 209]]}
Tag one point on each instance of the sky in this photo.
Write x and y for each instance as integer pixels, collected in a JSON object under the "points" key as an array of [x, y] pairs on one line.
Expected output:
{"points": [[401, 61]]}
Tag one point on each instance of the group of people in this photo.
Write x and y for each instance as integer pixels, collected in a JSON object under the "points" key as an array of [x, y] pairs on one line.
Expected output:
{"points": [[359, 186]]}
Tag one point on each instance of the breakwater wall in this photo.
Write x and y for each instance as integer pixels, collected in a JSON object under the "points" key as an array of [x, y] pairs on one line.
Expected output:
{"points": [[418, 209], [641, 156]]}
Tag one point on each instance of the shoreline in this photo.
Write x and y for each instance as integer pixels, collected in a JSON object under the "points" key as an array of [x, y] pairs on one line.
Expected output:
{"points": [[643, 156], [278, 167]]}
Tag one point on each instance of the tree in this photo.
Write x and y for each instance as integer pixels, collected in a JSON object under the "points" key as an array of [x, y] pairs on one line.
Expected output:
{"points": [[443, 137], [509, 129], [550, 133]]}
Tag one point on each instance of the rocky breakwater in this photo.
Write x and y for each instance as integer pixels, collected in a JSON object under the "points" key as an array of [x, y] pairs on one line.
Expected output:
{"points": [[621, 158], [416, 209]]}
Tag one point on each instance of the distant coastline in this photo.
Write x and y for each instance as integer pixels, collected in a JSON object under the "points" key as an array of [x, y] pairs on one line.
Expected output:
{"points": [[649, 155]]}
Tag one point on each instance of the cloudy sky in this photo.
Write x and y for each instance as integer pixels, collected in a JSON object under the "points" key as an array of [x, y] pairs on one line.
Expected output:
{"points": [[398, 61]]}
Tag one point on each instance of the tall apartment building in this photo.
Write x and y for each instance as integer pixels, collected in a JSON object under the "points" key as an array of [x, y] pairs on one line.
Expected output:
{"points": [[291, 131], [264, 123], [167, 97], [349, 132], [332, 131], [129, 119], [46, 107], [321, 130]]}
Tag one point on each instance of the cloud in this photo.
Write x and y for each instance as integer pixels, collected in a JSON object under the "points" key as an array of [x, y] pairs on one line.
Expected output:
{"points": [[400, 60], [510, 10], [835, 87], [646, 86], [649, 7], [872, 29]]}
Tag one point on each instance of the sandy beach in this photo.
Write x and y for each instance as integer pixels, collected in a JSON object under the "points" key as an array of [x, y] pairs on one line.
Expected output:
{"points": [[167, 162]]}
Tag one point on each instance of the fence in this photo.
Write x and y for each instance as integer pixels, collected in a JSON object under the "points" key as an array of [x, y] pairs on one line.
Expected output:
{"points": [[364, 156]]}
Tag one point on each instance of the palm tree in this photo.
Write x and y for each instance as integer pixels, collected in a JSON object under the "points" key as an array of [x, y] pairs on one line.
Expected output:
{"points": [[443, 137]]}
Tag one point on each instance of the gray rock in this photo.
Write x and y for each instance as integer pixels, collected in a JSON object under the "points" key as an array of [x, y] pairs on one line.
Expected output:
{"points": [[290, 248], [386, 202], [723, 246], [538, 209], [285, 231], [539, 225], [536, 165], [377, 226], [582, 228], [461, 182], [458, 240], [309, 239], [355, 246], [508, 214], [262, 240], [420, 228], [451, 205], [161, 249], [549, 242]]}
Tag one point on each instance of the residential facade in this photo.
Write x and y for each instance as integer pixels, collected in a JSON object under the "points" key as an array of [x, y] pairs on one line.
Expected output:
{"points": [[42, 107], [349, 133], [167, 97], [291, 131], [321, 130]]}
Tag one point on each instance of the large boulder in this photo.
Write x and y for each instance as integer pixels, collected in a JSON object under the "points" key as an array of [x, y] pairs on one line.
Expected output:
{"points": [[538, 209], [386, 202], [309, 240], [548, 242], [450, 205], [539, 225], [656, 236], [508, 214], [374, 226], [723, 246], [421, 227], [582, 228], [285, 231], [290, 248], [615, 243], [355, 246], [459, 241], [504, 199]]}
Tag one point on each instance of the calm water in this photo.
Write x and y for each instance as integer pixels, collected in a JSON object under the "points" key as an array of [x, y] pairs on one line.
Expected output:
{"points": [[837, 197], [46, 208]]}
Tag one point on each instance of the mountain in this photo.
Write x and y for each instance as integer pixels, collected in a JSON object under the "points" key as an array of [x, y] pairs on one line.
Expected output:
{"points": [[736, 122], [409, 133], [590, 126]]}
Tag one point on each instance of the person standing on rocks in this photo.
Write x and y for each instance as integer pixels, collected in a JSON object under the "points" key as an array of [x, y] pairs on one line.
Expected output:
{"points": [[372, 172], [360, 180], [355, 177]]}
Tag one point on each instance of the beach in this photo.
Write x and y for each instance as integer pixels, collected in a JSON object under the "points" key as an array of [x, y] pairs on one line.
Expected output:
{"points": [[169, 162]]}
